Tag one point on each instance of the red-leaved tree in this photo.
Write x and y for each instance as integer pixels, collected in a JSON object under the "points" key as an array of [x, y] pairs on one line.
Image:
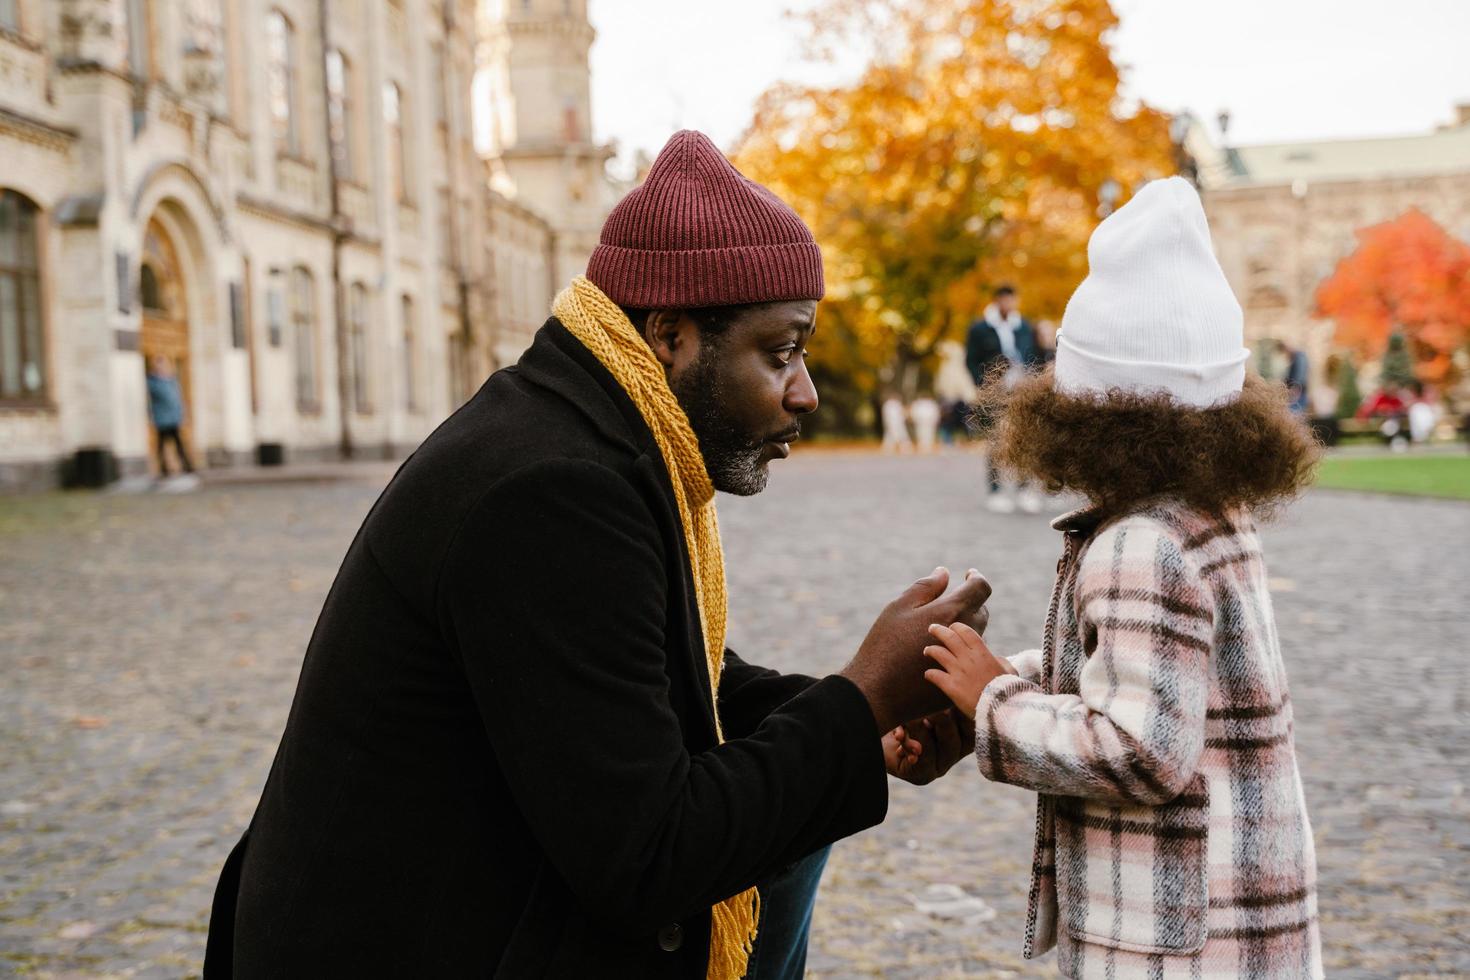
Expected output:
{"points": [[1407, 274]]}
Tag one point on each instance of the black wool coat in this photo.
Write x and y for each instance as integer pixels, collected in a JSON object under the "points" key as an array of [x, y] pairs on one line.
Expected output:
{"points": [[983, 349], [501, 758]]}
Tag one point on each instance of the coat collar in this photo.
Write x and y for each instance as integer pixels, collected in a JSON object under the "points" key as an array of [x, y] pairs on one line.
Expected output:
{"points": [[558, 362], [1083, 520]]}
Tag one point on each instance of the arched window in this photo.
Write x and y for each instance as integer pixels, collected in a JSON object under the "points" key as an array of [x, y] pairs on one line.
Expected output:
{"points": [[357, 349], [303, 338], [393, 118], [339, 112], [410, 358], [22, 350], [281, 81]]}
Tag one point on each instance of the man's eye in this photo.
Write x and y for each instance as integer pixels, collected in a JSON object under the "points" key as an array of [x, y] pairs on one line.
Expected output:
{"points": [[785, 353]]}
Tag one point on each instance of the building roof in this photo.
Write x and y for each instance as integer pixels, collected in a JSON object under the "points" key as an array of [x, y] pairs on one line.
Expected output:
{"points": [[1446, 150]]}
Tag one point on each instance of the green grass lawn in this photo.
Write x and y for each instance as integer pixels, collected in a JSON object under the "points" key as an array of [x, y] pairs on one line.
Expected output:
{"points": [[1424, 476]]}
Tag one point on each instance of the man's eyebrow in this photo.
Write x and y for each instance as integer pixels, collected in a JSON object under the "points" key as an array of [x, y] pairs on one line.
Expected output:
{"points": [[788, 327]]}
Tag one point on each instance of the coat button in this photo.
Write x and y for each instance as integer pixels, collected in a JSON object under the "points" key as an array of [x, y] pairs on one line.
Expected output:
{"points": [[671, 937]]}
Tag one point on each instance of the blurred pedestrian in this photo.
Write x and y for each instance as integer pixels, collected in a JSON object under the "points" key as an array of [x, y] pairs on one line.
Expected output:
{"points": [[166, 412], [955, 390], [999, 350], [1298, 371], [1389, 407], [1423, 413], [896, 425], [925, 413]]}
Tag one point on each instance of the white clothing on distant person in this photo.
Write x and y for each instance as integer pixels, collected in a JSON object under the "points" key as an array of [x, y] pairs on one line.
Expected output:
{"points": [[924, 413], [896, 427], [1005, 328], [1423, 417]]}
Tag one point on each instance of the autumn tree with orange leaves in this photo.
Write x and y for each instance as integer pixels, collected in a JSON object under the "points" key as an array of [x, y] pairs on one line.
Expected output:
{"points": [[1407, 275], [973, 150]]}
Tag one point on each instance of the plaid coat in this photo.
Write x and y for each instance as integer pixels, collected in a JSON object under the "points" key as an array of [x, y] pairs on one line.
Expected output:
{"points": [[1171, 837]]}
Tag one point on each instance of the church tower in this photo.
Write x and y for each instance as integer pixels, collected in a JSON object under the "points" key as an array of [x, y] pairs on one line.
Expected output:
{"points": [[539, 50]]}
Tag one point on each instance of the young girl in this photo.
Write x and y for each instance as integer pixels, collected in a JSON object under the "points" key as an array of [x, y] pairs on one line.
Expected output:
{"points": [[1171, 837]]}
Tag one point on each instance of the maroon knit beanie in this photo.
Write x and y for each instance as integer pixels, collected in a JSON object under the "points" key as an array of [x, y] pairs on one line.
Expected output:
{"points": [[698, 233]]}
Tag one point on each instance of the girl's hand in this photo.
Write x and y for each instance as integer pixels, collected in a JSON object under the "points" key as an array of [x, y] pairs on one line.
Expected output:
{"points": [[900, 751], [921, 751], [965, 665]]}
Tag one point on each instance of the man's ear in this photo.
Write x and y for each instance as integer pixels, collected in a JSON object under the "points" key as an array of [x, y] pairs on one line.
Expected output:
{"points": [[668, 333]]}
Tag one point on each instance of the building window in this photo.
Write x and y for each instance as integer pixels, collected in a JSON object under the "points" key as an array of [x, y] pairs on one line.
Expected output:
{"points": [[569, 120], [357, 343], [457, 369], [139, 13], [393, 118], [410, 359], [339, 112], [446, 227], [437, 80], [303, 338], [22, 353], [281, 81]]}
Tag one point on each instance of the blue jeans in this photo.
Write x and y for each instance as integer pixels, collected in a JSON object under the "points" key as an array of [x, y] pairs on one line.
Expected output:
{"points": [[787, 900]]}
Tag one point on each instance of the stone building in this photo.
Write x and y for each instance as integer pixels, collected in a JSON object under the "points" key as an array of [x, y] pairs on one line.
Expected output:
{"points": [[1283, 215], [536, 52], [284, 199]]}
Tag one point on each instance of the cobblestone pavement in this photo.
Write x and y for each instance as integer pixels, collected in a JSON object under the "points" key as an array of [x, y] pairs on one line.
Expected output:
{"points": [[149, 646]]}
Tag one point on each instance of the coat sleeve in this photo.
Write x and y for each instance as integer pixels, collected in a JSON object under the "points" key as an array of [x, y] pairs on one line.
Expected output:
{"points": [[975, 353], [749, 693], [1028, 665], [1134, 732], [554, 595]]}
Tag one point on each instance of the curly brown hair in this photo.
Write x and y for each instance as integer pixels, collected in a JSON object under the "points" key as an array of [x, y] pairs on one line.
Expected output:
{"points": [[1123, 447]]}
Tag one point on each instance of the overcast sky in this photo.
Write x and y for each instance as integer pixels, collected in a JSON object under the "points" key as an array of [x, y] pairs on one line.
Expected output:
{"points": [[1286, 69]]}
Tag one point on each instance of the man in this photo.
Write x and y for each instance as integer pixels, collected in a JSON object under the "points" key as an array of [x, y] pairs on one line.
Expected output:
{"points": [[1002, 337], [1297, 372], [505, 757], [166, 412]]}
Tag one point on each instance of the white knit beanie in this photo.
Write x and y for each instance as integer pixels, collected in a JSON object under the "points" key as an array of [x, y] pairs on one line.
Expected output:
{"points": [[1155, 313]]}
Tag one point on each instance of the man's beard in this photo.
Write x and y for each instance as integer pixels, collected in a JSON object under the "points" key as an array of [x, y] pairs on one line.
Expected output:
{"points": [[732, 457]]}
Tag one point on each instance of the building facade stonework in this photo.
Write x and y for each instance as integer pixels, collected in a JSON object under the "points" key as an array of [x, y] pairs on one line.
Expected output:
{"points": [[1284, 215], [284, 199]]}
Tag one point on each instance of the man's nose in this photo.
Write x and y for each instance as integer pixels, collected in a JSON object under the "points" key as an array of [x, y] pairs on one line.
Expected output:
{"points": [[801, 394]]}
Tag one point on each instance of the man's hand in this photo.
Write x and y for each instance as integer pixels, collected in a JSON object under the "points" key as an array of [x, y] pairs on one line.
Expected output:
{"points": [[965, 665], [922, 751], [889, 665]]}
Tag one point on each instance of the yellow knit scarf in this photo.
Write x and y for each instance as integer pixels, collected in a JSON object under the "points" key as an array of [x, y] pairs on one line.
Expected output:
{"points": [[604, 329]]}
